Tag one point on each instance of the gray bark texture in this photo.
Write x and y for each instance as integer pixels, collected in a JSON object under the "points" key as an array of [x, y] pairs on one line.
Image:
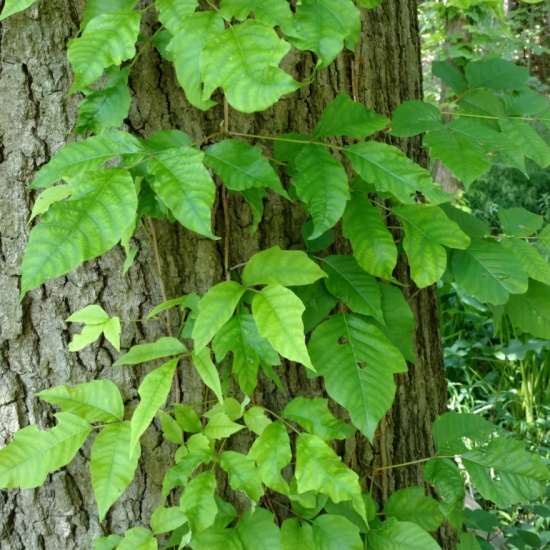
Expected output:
{"points": [[36, 120]]}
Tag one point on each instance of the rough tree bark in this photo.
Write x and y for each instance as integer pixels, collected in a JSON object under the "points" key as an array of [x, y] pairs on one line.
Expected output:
{"points": [[36, 120]]}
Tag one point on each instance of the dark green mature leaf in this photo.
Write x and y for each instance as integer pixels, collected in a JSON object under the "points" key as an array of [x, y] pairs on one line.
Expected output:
{"points": [[496, 74], [531, 311], [318, 303], [185, 186], [544, 237], [335, 532], [272, 12], [172, 12], [33, 454], [412, 505], [254, 197], [451, 427], [357, 363], [484, 106], [519, 222], [244, 61], [415, 117], [243, 474], [524, 102], [527, 140], [108, 39], [324, 26], [99, 7], [397, 535], [322, 184], [450, 75], [529, 258], [197, 501], [14, 6], [138, 538], [345, 117], [140, 353], [468, 541], [469, 224], [295, 535], [83, 227], [165, 139]]}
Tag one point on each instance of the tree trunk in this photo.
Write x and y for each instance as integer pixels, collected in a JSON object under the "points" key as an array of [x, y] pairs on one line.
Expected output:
{"points": [[36, 120]]}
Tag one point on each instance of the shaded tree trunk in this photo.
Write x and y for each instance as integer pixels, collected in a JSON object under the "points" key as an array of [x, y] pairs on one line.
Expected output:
{"points": [[36, 120]]}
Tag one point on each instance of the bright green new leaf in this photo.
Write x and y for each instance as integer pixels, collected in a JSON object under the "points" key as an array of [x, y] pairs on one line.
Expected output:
{"points": [[171, 430], [397, 535], [89, 334], [92, 315], [345, 117], [529, 258], [242, 166], [138, 538], [187, 418], [244, 61], [95, 8], [141, 353], [505, 473], [215, 309], [278, 315], [108, 39], [164, 519], [14, 6], [98, 321], [220, 426], [107, 543], [335, 532], [324, 27], [281, 267], [357, 363], [256, 420], [427, 228], [153, 392], [185, 186], [488, 271], [197, 502], [243, 474], [519, 222], [415, 117], [95, 401], [190, 37], [271, 451], [48, 197], [319, 468], [314, 416], [207, 371], [372, 242], [172, 12], [412, 505], [527, 140], [273, 12], [295, 535], [85, 226], [112, 465], [112, 330], [451, 427], [531, 311], [33, 454], [322, 185], [256, 530], [180, 301], [351, 284], [230, 406], [496, 74]]}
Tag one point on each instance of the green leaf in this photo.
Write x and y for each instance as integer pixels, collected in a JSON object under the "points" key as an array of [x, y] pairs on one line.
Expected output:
{"points": [[96, 401], [14, 6], [254, 198], [164, 519], [496, 74], [294, 535], [172, 12], [505, 473], [112, 465], [397, 535], [278, 315], [244, 61], [215, 309], [33, 454], [171, 430], [141, 353], [180, 301], [187, 418], [163, 140], [197, 502], [256, 420], [207, 371], [529, 258], [519, 222], [89, 334], [415, 117], [230, 406], [369, 3], [322, 185], [111, 330], [138, 538], [272, 12], [107, 543], [351, 284], [527, 140], [92, 315], [243, 474], [85, 226], [324, 26], [544, 237], [334, 532], [345, 117], [468, 541], [242, 166], [185, 186], [372, 242], [427, 228], [48, 197], [314, 416], [220, 426], [257, 531], [451, 427], [95, 8], [272, 453], [531, 311], [281, 267], [488, 272], [524, 102], [153, 392], [357, 363], [412, 505], [317, 301], [108, 39], [469, 224], [450, 75], [319, 468]]}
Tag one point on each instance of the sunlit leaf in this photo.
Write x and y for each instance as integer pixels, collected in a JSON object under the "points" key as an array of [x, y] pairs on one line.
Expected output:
{"points": [[243, 474], [164, 519], [172, 12], [256, 420], [207, 371], [48, 197], [273, 12], [99, 7], [220, 426], [138, 538], [140, 353]]}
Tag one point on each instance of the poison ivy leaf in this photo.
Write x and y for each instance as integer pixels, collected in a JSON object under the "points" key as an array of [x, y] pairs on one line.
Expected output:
{"points": [[14, 6], [89, 334], [99, 7], [187, 418], [524, 102], [426, 230], [171, 430], [92, 315], [357, 363], [351, 284], [295, 535], [278, 315], [496, 74], [254, 198], [281, 267], [242, 166], [272, 453], [322, 184], [185, 186], [415, 117], [314, 416], [369, 3], [324, 26], [138, 538], [243, 474], [531, 311], [220, 426], [505, 473], [488, 271], [208, 372], [484, 106], [153, 392], [450, 75], [345, 117], [33, 454], [112, 465], [164, 519], [172, 12], [197, 502], [472, 226], [244, 61], [527, 140], [372, 243], [256, 420], [334, 532], [230, 406], [180, 301], [190, 36], [83, 227], [451, 427], [319, 468], [48, 197], [317, 301], [529, 258], [108, 39], [345, 509], [163, 140], [544, 237], [412, 505], [141, 353], [320, 243], [396, 535], [272, 12], [468, 541], [107, 543], [96, 401], [288, 148], [256, 530], [519, 222]]}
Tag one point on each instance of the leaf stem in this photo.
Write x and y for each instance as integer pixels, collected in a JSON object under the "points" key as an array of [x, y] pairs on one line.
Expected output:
{"points": [[288, 140]]}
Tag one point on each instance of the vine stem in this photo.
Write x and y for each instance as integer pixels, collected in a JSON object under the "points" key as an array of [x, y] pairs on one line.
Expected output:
{"points": [[227, 225]]}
